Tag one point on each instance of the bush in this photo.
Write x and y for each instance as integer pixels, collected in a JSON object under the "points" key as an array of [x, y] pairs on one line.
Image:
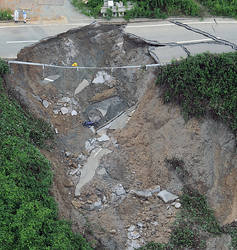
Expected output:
{"points": [[162, 9], [3, 67], [5, 15], [203, 85]]}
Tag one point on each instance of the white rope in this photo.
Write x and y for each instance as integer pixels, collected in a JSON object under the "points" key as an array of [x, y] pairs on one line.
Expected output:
{"points": [[87, 67]]}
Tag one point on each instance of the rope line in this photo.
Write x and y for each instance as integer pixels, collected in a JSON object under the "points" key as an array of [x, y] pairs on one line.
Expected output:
{"points": [[87, 67]]}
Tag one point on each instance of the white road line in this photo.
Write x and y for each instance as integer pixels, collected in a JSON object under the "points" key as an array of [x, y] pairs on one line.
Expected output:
{"points": [[130, 25], [30, 41], [195, 41], [172, 24]]}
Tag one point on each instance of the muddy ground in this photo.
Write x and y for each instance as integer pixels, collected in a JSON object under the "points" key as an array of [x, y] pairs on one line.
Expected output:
{"points": [[107, 178]]}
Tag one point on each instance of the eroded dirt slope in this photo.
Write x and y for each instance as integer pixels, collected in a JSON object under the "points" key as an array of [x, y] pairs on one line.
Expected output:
{"points": [[107, 179]]}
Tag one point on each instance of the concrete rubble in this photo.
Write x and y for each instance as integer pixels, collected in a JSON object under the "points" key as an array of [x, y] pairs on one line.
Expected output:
{"points": [[167, 196]]}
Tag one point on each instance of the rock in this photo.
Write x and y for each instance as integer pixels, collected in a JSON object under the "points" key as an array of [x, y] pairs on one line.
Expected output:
{"points": [[119, 190], [133, 244], [113, 231], [76, 204], [56, 112], [131, 228], [103, 138], [155, 190], [89, 145], [75, 171], [74, 112], [46, 104], [101, 77], [167, 196], [67, 153], [133, 235], [81, 157], [154, 223], [139, 224], [177, 205], [65, 99], [68, 183], [92, 129], [64, 110], [96, 205], [142, 194]]}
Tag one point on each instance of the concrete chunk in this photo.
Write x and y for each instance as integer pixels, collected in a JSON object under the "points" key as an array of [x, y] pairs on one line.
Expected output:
{"points": [[167, 196]]}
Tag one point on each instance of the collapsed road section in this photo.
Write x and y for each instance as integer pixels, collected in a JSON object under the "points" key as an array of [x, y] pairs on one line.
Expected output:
{"points": [[114, 137]]}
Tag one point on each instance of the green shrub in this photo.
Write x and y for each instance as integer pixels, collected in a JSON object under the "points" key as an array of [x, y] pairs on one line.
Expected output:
{"points": [[162, 9], [203, 85], [221, 7], [3, 67], [5, 15], [144, 8], [109, 14], [29, 216]]}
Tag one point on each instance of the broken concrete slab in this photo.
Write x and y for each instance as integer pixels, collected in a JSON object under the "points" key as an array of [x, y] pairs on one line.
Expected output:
{"points": [[109, 108], [168, 53], [103, 138], [50, 79], [81, 86], [201, 48], [167, 196], [101, 77], [88, 171]]}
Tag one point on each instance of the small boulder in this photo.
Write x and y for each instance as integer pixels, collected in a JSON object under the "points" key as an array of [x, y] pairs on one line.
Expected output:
{"points": [[64, 110], [46, 104]]}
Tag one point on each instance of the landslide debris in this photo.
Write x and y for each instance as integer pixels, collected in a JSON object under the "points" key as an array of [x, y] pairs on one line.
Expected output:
{"points": [[113, 181]]}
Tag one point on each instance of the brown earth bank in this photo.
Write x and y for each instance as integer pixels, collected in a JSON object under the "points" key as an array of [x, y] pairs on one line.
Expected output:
{"points": [[107, 179]]}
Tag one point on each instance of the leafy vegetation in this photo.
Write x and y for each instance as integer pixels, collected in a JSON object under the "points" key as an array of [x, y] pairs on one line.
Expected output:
{"points": [[5, 15], [203, 85], [91, 8], [221, 7], [29, 218], [163, 8]]}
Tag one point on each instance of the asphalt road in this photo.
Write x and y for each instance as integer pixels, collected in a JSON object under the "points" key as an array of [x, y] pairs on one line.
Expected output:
{"points": [[14, 37]]}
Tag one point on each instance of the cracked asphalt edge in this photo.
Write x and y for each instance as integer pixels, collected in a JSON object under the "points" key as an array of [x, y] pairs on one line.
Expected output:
{"points": [[206, 34]]}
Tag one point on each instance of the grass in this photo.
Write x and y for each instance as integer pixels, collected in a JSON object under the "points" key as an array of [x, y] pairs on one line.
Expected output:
{"points": [[204, 86], [29, 216]]}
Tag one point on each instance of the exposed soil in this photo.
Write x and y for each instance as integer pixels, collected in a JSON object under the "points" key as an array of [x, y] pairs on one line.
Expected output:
{"points": [[119, 207]]}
